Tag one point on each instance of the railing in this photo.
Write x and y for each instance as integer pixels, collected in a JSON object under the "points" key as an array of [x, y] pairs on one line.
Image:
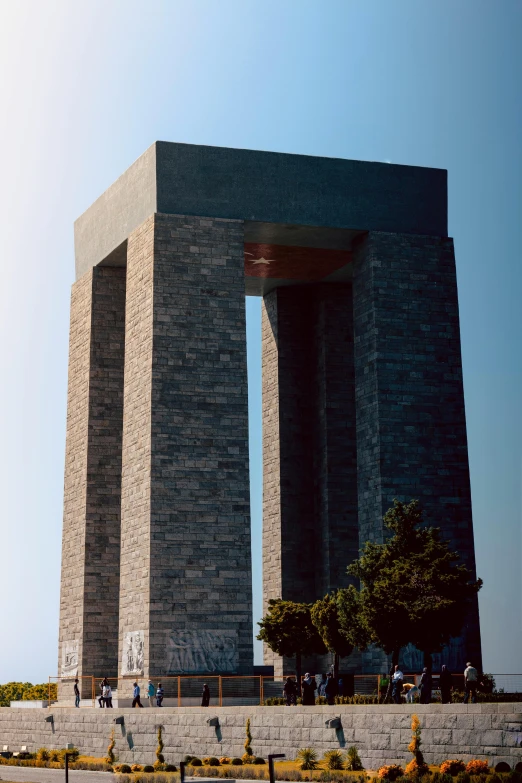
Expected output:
{"points": [[230, 690]]}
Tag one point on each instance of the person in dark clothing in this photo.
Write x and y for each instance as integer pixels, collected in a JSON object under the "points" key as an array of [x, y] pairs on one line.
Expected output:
{"points": [[425, 686], [101, 700], [136, 702], [205, 696], [290, 692], [159, 695], [330, 689], [340, 687], [76, 693], [446, 685], [309, 688]]}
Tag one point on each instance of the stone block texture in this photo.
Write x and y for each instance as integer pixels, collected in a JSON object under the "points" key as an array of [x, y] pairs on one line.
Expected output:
{"points": [[185, 555], [381, 732], [310, 529], [91, 530], [411, 425]]}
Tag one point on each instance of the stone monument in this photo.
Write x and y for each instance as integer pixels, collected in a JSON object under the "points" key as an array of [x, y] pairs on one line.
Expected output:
{"points": [[362, 397]]}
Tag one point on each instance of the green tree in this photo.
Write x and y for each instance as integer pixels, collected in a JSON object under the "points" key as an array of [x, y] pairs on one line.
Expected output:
{"points": [[336, 618], [288, 630], [414, 589]]}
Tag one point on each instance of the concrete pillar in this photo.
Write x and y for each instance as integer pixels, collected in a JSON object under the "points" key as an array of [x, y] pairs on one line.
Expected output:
{"points": [[88, 635], [185, 598], [411, 424]]}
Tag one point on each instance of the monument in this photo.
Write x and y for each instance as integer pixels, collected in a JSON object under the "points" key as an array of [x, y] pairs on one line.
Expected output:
{"points": [[362, 397]]}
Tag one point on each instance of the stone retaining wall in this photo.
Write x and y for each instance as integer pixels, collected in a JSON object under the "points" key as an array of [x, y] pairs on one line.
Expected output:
{"points": [[381, 733]]}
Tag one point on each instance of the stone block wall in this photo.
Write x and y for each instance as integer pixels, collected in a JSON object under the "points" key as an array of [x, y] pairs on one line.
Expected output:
{"points": [[91, 531], [185, 565], [381, 733], [411, 424]]}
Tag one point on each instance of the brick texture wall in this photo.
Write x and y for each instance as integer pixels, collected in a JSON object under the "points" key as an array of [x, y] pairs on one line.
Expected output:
{"points": [[91, 532], [310, 488], [185, 494], [411, 425]]}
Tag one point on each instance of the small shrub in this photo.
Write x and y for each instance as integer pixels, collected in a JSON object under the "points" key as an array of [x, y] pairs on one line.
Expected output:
{"points": [[188, 759], [195, 762], [247, 758], [390, 772], [463, 777], [236, 761], [159, 766], [73, 754], [477, 767], [452, 767], [136, 768], [353, 760], [170, 768], [54, 755], [259, 760], [333, 759], [42, 754], [502, 766], [117, 768], [224, 760], [494, 778], [307, 758], [414, 768], [212, 761], [146, 768], [125, 769], [248, 741]]}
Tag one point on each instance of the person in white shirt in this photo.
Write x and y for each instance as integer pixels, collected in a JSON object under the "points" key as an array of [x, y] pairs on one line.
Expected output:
{"points": [[470, 683], [397, 682], [107, 695]]}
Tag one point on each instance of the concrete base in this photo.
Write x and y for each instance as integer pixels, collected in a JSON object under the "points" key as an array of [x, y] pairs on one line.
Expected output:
{"points": [[28, 704], [380, 733]]}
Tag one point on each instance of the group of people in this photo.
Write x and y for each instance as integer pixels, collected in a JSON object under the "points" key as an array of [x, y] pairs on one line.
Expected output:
{"points": [[424, 688], [152, 693], [327, 688]]}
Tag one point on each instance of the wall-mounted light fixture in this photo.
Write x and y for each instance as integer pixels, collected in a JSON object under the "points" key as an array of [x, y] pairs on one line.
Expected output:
{"points": [[213, 721], [334, 723], [119, 721], [49, 719]]}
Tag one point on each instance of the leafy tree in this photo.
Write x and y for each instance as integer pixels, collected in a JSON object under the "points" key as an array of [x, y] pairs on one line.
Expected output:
{"points": [[288, 630], [336, 618], [15, 691], [414, 588]]}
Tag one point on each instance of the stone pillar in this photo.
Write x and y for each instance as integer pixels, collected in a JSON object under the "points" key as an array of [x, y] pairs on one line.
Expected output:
{"points": [[185, 598], [88, 634], [411, 425], [309, 453]]}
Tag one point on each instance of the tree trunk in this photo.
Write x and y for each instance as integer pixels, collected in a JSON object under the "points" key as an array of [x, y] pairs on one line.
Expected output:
{"points": [[336, 666], [394, 663], [298, 670]]}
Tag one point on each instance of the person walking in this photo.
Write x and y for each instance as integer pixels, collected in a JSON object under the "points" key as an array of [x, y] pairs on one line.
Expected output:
{"points": [[308, 688], [107, 695], [340, 687], [445, 685], [290, 692], [330, 690], [151, 693], [76, 693], [101, 701], [470, 683], [205, 696], [159, 695], [322, 685], [136, 702], [425, 686], [397, 682]]}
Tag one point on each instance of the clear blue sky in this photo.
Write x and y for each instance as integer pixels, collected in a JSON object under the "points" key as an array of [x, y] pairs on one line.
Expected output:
{"points": [[86, 87]]}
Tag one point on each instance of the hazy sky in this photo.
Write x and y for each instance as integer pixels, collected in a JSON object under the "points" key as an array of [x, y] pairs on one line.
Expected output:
{"points": [[86, 86]]}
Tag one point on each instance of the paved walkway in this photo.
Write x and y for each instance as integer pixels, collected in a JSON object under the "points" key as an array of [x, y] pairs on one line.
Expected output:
{"points": [[39, 775]]}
